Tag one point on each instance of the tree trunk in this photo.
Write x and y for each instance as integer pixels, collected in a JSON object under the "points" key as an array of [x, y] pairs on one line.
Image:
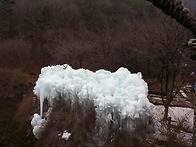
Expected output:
{"points": [[166, 112]]}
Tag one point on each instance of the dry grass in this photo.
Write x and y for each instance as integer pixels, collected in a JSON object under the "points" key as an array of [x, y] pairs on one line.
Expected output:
{"points": [[80, 119], [23, 115], [15, 53], [13, 83], [174, 133], [15, 128], [8, 126]]}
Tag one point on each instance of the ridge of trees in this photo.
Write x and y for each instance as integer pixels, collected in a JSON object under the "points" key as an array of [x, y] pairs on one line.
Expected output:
{"points": [[92, 34], [19, 14]]}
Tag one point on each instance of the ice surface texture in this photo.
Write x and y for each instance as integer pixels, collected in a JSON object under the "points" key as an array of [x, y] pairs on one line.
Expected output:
{"points": [[119, 92]]}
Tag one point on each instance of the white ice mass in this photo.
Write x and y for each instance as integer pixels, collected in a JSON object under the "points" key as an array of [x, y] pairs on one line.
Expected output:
{"points": [[37, 124], [121, 92]]}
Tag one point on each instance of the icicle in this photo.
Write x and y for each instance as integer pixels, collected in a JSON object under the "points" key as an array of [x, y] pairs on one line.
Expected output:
{"points": [[41, 105]]}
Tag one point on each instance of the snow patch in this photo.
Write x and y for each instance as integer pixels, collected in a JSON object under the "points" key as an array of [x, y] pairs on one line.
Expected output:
{"points": [[66, 135], [179, 115]]}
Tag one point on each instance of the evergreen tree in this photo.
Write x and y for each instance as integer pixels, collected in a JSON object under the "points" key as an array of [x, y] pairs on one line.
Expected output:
{"points": [[44, 18]]}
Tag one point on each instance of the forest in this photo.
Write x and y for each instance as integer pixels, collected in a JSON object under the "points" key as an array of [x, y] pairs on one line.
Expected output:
{"points": [[89, 34]]}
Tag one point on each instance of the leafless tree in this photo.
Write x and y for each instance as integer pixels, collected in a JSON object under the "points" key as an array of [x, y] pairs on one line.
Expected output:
{"points": [[173, 59]]}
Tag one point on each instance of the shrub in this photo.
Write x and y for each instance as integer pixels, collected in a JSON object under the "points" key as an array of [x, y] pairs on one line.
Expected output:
{"points": [[88, 128], [174, 132], [13, 83], [8, 135], [15, 52], [25, 109], [15, 129]]}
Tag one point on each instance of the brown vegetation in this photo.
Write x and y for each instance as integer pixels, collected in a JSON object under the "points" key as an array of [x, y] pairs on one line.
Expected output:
{"points": [[13, 84], [89, 34], [25, 109], [15, 53], [87, 129]]}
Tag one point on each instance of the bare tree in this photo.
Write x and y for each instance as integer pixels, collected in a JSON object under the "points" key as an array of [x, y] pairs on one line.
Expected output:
{"points": [[166, 56], [172, 58]]}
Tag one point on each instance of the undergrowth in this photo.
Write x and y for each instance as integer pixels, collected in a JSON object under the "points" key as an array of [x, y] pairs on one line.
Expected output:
{"points": [[13, 84], [8, 125], [87, 128]]}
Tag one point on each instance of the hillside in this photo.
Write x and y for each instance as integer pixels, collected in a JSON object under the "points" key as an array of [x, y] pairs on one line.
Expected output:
{"points": [[90, 34], [85, 34]]}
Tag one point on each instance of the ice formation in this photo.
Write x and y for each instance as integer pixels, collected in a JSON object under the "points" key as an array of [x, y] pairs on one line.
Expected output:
{"points": [[37, 124], [112, 92]]}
